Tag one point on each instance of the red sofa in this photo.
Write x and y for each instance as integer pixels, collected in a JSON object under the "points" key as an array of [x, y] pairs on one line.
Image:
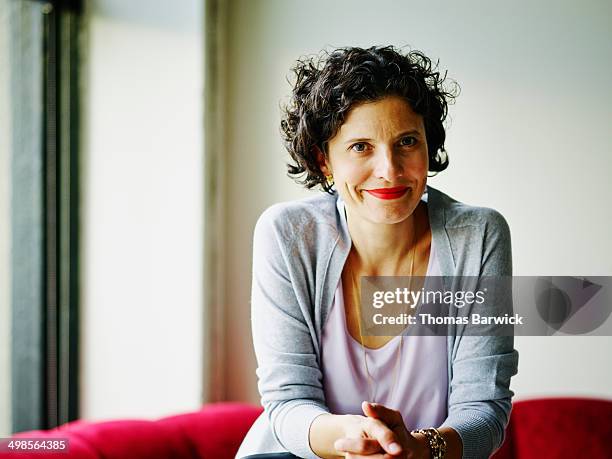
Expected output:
{"points": [[215, 432], [555, 428], [543, 429]]}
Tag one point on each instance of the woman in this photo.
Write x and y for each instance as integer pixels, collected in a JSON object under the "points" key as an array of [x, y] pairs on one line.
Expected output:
{"points": [[366, 125]]}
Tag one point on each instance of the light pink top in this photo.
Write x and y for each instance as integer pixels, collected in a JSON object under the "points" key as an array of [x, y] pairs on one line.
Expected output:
{"points": [[422, 375]]}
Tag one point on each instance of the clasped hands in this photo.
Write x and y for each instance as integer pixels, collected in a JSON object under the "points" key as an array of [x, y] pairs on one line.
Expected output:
{"points": [[381, 434]]}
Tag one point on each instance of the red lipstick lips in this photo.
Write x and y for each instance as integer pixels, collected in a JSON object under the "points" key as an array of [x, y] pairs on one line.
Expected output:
{"points": [[389, 193]]}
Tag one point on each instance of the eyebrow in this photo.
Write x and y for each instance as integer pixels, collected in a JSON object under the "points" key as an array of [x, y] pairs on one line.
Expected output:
{"points": [[413, 132]]}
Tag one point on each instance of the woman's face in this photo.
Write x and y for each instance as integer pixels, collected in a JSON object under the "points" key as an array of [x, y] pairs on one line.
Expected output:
{"points": [[379, 160]]}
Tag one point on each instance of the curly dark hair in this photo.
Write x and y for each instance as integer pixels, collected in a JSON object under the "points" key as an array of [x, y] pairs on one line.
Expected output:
{"points": [[328, 85]]}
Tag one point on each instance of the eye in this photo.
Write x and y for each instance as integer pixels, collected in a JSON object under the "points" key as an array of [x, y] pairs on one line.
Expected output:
{"points": [[359, 147], [408, 141]]}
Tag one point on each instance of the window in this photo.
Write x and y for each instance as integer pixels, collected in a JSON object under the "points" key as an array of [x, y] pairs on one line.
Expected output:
{"points": [[39, 214]]}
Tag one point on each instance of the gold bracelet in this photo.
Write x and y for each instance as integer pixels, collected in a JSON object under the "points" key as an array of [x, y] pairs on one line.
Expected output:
{"points": [[437, 443]]}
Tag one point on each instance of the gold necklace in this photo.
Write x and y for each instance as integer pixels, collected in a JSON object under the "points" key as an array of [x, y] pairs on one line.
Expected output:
{"points": [[357, 293]]}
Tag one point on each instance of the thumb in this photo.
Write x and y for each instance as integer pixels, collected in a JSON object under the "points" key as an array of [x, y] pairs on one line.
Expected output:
{"points": [[385, 414], [369, 410]]}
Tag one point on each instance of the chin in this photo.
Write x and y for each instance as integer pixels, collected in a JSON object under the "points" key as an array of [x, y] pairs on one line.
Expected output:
{"points": [[390, 218]]}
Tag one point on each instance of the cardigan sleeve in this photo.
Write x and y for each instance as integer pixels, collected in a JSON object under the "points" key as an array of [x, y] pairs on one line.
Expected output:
{"points": [[480, 395], [289, 377]]}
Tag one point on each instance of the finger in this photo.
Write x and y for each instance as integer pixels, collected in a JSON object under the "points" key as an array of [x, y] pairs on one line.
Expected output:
{"points": [[383, 434], [387, 415], [369, 456], [365, 446], [368, 410]]}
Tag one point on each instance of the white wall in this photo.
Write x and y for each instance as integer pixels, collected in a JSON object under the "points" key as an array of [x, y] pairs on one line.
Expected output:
{"points": [[5, 225], [529, 136], [142, 212]]}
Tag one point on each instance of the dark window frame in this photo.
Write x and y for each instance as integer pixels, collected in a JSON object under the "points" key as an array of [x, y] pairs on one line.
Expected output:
{"points": [[45, 216]]}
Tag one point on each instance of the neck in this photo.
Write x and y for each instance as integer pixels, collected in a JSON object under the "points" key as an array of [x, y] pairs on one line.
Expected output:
{"points": [[385, 250]]}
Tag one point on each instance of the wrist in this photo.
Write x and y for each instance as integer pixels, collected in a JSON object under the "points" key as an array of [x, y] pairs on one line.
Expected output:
{"points": [[437, 445], [326, 429], [424, 443]]}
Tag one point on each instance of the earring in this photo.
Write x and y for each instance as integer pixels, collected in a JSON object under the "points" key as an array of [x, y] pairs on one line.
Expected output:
{"points": [[330, 179]]}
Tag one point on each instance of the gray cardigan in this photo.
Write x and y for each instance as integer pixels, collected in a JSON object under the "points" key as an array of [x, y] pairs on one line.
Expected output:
{"points": [[300, 249]]}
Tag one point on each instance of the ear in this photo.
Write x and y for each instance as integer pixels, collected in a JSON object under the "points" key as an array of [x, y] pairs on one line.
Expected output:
{"points": [[322, 161]]}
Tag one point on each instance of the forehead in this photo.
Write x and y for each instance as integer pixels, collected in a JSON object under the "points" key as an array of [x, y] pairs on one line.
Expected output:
{"points": [[390, 115]]}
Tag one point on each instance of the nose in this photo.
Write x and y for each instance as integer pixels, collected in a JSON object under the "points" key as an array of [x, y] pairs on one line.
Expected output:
{"points": [[387, 165]]}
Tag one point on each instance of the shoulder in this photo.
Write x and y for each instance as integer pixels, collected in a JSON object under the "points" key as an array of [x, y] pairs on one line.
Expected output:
{"points": [[294, 219], [458, 214]]}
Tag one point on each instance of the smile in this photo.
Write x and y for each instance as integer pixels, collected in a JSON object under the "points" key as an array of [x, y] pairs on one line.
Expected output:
{"points": [[389, 193]]}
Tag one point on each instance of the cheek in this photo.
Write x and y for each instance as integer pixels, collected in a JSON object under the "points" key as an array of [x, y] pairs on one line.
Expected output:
{"points": [[420, 165], [355, 175], [423, 168]]}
